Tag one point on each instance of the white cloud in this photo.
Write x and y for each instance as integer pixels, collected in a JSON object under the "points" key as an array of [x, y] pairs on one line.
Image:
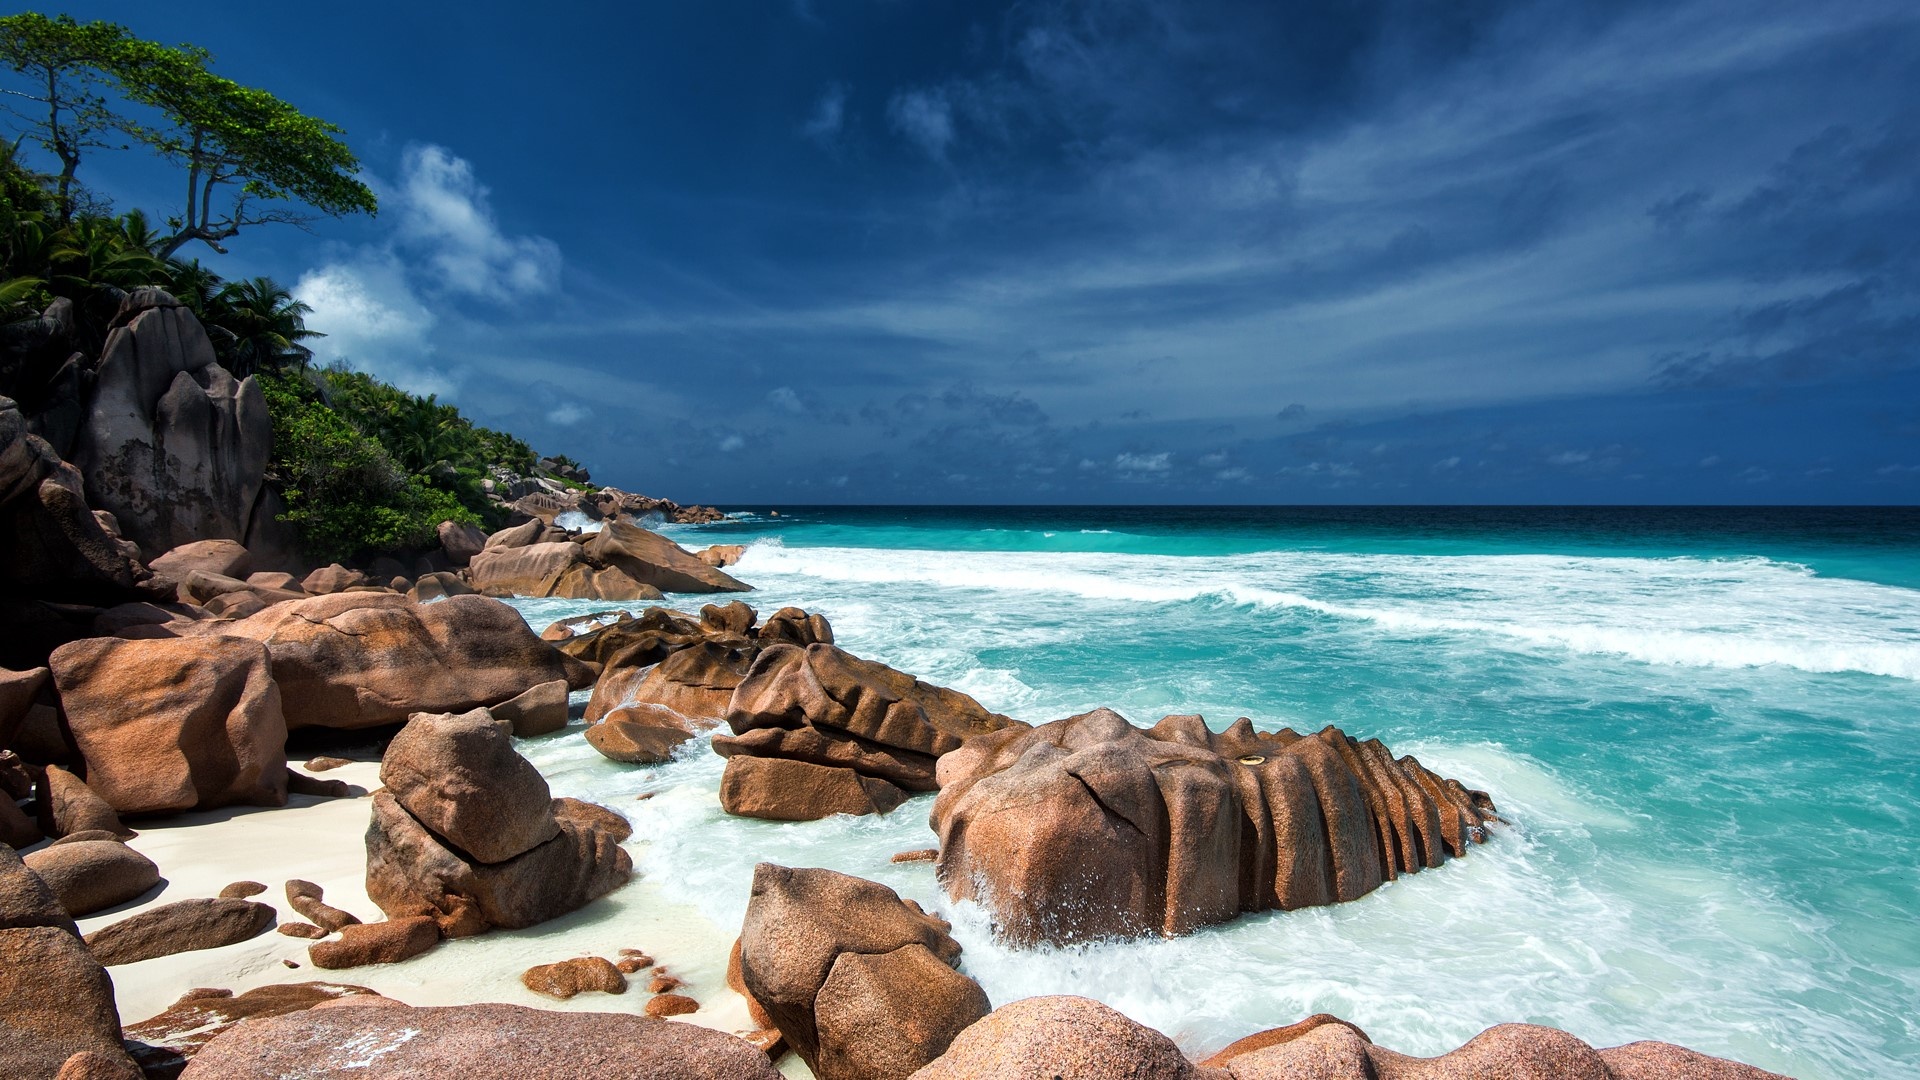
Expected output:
{"points": [[568, 413], [446, 216], [1446, 463], [829, 115], [925, 117], [1143, 463], [373, 322], [1569, 457], [731, 443], [783, 397]]}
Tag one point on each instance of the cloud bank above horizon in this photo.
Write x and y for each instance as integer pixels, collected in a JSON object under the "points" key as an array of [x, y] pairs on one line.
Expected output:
{"points": [[1141, 252]]}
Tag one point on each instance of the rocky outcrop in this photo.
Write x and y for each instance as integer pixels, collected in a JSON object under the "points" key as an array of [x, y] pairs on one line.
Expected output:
{"points": [[163, 1042], [227, 558], [540, 711], [182, 926], [171, 725], [460, 543], [389, 942], [824, 707], [782, 789], [559, 569], [1090, 827], [475, 1042], [652, 559], [860, 982], [93, 875], [70, 807], [173, 445], [52, 547], [25, 900], [465, 833], [640, 734], [354, 660], [55, 1002]]}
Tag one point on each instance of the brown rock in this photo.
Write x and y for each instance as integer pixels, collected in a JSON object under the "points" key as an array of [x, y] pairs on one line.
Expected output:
{"points": [[182, 926], [515, 536], [652, 559], [718, 555], [85, 835], [309, 900], [301, 930], [18, 691], [74, 807], [1089, 827], [240, 890], [97, 1065], [628, 965], [1665, 1061], [540, 711], [55, 1001], [697, 682], [818, 952], [1050, 1038], [438, 585], [169, 725], [1260, 1040], [409, 872], [917, 855], [17, 830], [461, 542], [332, 579], [616, 639], [460, 777], [639, 735], [387, 942], [269, 579], [738, 984], [779, 789], [167, 1039], [475, 1042], [664, 983], [793, 626], [364, 659], [93, 875], [25, 900], [578, 975], [326, 764], [299, 783], [770, 1042], [666, 1005]]}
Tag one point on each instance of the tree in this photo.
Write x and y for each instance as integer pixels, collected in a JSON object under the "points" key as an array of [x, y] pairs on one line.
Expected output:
{"points": [[63, 62], [247, 149], [266, 324]]}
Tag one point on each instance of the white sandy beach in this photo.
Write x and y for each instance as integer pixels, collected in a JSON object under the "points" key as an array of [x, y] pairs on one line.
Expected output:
{"points": [[322, 840]]}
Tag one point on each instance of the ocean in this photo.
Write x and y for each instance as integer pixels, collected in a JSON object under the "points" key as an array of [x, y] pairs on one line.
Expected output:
{"points": [[1703, 726]]}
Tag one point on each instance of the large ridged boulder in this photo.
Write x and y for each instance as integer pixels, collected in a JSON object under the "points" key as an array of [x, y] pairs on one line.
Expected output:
{"points": [[174, 446], [362, 659], [559, 569], [474, 1042], [175, 724], [822, 706], [465, 833], [860, 982], [652, 559], [1090, 828]]}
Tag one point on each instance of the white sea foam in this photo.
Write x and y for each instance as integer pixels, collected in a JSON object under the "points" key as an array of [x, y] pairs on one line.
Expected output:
{"points": [[1731, 613]]}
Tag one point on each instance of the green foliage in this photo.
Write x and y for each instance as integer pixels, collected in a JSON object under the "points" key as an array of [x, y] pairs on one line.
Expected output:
{"points": [[249, 158], [346, 496]]}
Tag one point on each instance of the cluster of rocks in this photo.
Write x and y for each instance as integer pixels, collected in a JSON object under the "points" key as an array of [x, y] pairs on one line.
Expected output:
{"points": [[1090, 827], [618, 561], [815, 730], [467, 835]]}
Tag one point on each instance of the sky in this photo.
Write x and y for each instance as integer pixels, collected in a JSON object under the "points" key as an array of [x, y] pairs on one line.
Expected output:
{"points": [[920, 251]]}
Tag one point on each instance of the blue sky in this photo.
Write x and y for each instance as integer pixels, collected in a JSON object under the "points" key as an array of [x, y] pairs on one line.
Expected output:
{"points": [[890, 251]]}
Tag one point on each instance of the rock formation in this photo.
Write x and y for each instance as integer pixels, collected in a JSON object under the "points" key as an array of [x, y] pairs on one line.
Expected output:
{"points": [[162, 1043], [362, 659], [474, 1042], [170, 725], [55, 1002], [858, 721], [1090, 827], [1051, 1038], [173, 445], [466, 833], [619, 562], [860, 982]]}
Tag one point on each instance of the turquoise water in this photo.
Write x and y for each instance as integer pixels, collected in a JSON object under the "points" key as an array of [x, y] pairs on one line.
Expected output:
{"points": [[1704, 727]]}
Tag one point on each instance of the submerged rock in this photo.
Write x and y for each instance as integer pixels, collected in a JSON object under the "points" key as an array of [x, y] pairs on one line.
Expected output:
{"points": [[576, 976], [1090, 827]]}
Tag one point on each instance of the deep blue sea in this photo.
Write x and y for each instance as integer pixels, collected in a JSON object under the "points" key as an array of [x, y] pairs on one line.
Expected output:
{"points": [[1703, 725]]}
